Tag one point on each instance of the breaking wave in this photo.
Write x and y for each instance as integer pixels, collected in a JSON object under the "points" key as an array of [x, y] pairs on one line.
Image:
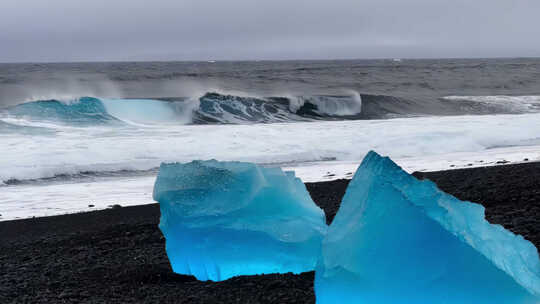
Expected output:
{"points": [[216, 108], [83, 111], [211, 108]]}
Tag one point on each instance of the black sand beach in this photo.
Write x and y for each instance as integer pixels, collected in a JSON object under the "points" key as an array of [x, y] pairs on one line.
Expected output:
{"points": [[118, 256]]}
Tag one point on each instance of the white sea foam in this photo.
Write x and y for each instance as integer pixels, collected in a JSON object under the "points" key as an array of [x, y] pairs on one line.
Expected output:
{"points": [[104, 148], [61, 198], [321, 150]]}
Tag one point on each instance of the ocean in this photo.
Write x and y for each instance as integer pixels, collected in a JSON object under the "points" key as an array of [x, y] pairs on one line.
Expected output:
{"points": [[83, 136]]}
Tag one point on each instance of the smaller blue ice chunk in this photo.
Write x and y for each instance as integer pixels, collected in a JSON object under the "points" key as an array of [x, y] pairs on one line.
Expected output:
{"points": [[224, 219], [396, 239]]}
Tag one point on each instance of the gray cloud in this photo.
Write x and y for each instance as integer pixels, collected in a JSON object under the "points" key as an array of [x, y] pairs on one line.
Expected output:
{"points": [[76, 30]]}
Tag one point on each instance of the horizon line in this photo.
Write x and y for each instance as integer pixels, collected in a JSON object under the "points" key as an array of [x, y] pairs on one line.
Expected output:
{"points": [[266, 60]]}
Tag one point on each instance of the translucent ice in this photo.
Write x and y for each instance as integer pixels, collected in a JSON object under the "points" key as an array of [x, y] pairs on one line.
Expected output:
{"points": [[223, 219], [396, 239]]}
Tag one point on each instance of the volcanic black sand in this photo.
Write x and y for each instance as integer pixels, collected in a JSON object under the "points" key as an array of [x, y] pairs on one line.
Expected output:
{"points": [[118, 255]]}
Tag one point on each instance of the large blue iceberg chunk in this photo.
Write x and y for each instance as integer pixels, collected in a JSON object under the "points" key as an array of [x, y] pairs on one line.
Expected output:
{"points": [[396, 239], [223, 219]]}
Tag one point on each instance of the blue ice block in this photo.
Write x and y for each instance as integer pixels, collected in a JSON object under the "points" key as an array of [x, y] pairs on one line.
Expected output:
{"points": [[224, 219], [396, 239]]}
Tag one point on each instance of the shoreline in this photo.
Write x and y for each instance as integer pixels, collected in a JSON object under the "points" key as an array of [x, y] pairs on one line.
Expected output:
{"points": [[117, 255], [89, 194]]}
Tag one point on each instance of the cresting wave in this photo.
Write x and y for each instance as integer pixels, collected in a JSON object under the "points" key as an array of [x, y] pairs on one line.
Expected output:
{"points": [[216, 108], [211, 108]]}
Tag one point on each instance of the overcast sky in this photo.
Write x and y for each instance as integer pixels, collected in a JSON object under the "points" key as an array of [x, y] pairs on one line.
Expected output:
{"points": [[90, 30]]}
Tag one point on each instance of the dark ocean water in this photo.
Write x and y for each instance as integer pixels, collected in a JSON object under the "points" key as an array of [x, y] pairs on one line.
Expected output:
{"points": [[275, 91]]}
